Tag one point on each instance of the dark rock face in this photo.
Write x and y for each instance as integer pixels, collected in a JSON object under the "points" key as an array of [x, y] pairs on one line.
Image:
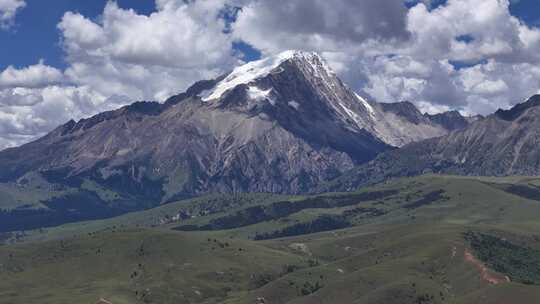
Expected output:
{"points": [[519, 109], [505, 143], [451, 120]]}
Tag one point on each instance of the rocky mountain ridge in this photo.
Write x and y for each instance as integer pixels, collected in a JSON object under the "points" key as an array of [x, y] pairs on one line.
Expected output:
{"points": [[502, 144]]}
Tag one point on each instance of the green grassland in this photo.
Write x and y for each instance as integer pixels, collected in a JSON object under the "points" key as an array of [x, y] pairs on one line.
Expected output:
{"points": [[427, 239], [28, 194]]}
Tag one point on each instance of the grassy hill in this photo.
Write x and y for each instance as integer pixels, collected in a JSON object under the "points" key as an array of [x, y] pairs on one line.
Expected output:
{"points": [[428, 239]]}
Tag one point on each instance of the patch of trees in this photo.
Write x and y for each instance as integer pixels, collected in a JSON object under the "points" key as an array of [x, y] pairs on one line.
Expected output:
{"points": [[368, 212], [428, 199], [425, 299], [260, 280], [258, 214], [528, 192], [521, 264], [322, 223], [309, 288]]}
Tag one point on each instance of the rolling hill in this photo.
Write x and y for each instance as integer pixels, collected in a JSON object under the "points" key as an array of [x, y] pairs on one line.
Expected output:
{"points": [[428, 239]]}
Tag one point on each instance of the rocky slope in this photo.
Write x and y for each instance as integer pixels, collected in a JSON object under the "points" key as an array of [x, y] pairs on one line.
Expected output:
{"points": [[277, 125], [451, 120], [504, 143], [282, 125]]}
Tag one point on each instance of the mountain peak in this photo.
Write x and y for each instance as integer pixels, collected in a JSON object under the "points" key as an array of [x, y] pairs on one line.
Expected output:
{"points": [[518, 109], [450, 120], [254, 70], [405, 109]]}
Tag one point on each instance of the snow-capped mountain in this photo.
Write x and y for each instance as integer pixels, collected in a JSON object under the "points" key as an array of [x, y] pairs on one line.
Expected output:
{"points": [[282, 124], [393, 127]]}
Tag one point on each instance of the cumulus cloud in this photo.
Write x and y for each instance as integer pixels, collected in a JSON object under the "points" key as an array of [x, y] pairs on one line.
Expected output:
{"points": [[116, 59], [182, 36], [471, 55], [147, 57], [350, 34], [8, 10], [29, 113], [483, 62], [320, 25], [34, 76]]}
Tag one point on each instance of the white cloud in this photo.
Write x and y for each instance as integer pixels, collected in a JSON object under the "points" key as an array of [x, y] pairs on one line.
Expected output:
{"points": [[495, 54], [496, 41], [29, 113], [181, 36], [272, 26], [8, 10], [19, 97], [116, 59], [33, 76], [147, 57]]}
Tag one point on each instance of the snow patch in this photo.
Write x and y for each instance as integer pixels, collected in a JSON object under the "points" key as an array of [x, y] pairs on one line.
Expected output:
{"points": [[366, 105], [317, 65], [256, 94], [205, 94], [355, 117], [248, 73], [251, 71]]}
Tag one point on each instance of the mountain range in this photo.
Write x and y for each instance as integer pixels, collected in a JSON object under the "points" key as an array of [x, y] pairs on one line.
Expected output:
{"points": [[502, 144], [284, 124]]}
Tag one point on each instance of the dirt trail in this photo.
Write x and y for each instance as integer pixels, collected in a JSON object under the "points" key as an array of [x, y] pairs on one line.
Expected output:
{"points": [[487, 275]]}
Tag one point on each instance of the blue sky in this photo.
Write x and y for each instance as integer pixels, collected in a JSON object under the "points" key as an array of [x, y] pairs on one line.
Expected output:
{"points": [[527, 10], [70, 59], [35, 35]]}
